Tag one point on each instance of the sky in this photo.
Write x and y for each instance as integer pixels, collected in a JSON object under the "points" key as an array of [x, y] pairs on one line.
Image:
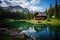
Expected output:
{"points": [[32, 5]]}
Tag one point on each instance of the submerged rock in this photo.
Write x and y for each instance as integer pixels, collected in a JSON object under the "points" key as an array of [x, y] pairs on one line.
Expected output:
{"points": [[31, 32]]}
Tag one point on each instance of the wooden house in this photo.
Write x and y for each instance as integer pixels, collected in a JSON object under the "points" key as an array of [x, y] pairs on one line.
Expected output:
{"points": [[40, 16]]}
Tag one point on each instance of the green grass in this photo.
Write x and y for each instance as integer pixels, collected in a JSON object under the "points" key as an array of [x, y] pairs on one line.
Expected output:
{"points": [[52, 22], [20, 23]]}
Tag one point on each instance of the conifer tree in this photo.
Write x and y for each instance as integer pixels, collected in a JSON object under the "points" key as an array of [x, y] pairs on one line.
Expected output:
{"points": [[56, 9], [50, 14]]}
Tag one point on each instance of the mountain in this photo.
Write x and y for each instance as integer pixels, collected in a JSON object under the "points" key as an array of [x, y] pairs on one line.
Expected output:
{"points": [[25, 10], [16, 8]]}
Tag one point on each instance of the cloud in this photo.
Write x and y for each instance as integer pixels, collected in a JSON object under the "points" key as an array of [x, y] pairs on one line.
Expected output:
{"points": [[25, 4], [17, 1], [4, 4], [35, 8], [35, 1]]}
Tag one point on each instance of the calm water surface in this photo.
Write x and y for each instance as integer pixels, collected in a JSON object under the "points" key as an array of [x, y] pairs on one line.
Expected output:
{"points": [[39, 31]]}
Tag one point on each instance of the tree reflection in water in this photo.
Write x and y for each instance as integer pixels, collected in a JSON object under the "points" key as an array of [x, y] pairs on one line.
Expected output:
{"points": [[46, 32], [39, 31]]}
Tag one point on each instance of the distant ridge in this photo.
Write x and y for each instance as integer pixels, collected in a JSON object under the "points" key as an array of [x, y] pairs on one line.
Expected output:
{"points": [[15, 8]]}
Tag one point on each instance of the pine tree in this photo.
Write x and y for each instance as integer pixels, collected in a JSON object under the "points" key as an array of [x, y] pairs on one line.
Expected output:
{"points": [[50, 14], [56, 9], [47, 13]]}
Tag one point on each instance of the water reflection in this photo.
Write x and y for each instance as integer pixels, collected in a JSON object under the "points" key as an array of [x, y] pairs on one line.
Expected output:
{"points": [[43, 32], [38, 31], [31, 32]]}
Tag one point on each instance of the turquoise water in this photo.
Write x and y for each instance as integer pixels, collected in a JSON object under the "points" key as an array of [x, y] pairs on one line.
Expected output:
{"points": [[39, 31]]}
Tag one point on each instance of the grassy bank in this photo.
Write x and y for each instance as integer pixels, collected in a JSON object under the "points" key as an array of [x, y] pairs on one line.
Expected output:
{"points": [[51, 21]]}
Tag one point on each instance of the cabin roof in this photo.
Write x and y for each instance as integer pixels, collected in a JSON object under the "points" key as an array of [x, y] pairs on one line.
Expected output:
{"points": [[40, 13]]}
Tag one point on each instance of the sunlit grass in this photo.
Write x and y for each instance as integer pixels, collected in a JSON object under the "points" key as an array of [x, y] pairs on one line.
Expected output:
{"points": [[52, 21]]}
